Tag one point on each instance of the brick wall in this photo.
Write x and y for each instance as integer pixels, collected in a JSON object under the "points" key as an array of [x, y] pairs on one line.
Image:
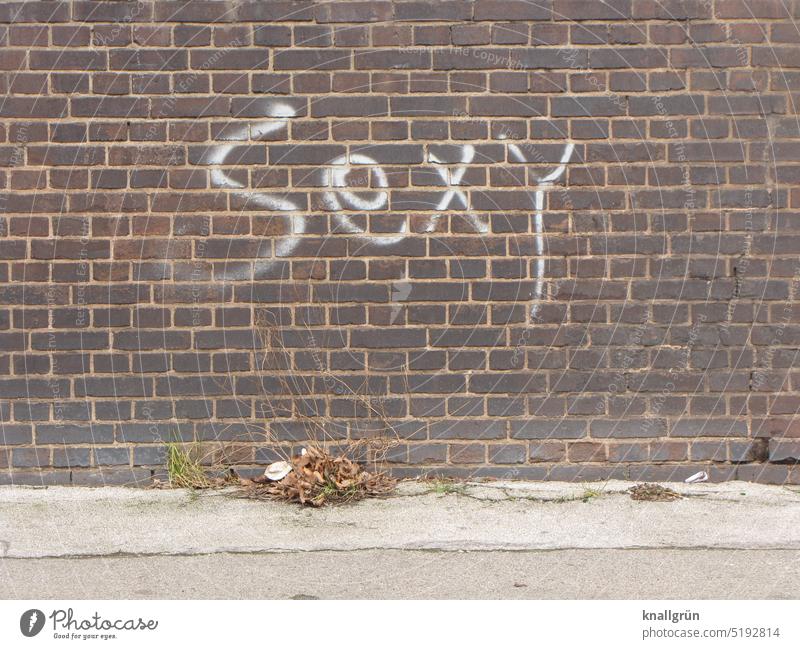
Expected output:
{"points": [[554, 239]]}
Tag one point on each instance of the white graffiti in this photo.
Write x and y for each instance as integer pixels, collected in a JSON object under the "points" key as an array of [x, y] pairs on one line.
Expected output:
{"points": [[542, 184], [340, 199]]}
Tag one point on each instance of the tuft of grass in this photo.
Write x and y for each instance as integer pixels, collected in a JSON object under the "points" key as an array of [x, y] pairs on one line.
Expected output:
{"points": [[184, 471], [445, 487], [330, 492], [588, 494]]}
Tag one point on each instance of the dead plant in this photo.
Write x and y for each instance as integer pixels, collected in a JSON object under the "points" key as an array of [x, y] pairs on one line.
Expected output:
{"points": [[330, 470], [317, 478], [317, 390], [653, 492]]}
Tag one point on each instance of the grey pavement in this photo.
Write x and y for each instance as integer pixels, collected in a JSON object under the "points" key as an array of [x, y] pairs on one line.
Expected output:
{"points": [[494, 540]]}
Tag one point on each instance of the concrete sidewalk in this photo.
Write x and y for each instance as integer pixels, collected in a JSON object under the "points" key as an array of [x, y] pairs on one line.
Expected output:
{"points": [[735, 540]]}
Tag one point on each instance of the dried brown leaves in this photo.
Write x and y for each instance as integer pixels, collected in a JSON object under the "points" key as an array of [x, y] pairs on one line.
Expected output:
{"points": [[655, 492], [318, 478]]}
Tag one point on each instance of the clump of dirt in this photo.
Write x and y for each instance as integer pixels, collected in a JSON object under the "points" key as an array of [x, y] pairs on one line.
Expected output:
{"points": [[317, 478], [653, 492]]}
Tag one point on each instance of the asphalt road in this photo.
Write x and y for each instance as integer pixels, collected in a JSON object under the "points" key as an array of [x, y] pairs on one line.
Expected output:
{"points": [[414, 574]]}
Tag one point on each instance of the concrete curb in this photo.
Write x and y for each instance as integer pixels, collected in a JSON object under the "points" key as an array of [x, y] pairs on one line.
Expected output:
{"points": [[511, 516]]}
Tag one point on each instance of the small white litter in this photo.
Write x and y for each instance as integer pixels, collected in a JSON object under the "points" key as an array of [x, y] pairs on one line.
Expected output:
{"points": [[277, 470], [700, 476]]}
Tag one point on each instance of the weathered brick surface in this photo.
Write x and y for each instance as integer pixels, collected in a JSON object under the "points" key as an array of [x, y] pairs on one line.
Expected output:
{"points": [[539, 240]]}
